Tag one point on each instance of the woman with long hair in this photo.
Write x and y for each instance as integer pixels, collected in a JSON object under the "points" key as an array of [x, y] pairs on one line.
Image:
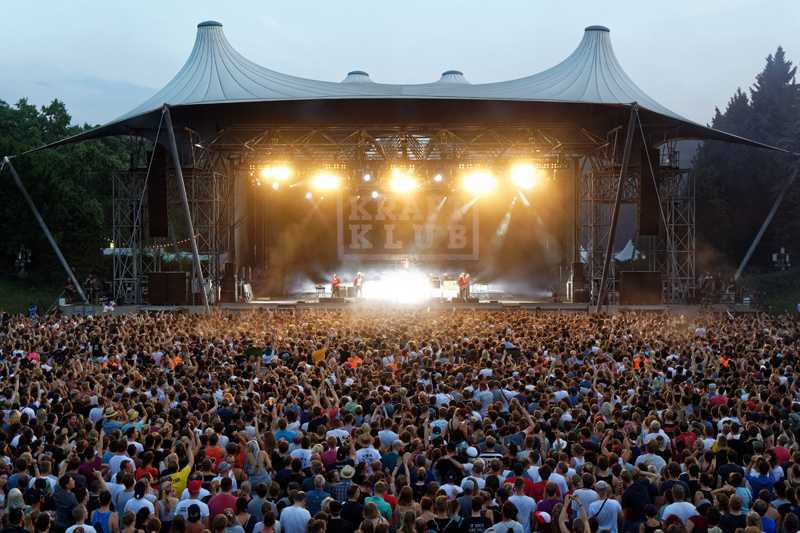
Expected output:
{"points": [[165, 506], [405, 504]]}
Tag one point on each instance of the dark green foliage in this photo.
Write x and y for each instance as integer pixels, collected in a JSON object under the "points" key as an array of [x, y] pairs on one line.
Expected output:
{"points": [[71, 186], [737, 185]]}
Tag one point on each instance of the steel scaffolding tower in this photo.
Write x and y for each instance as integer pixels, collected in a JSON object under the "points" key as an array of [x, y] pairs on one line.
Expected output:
{"points": [[136, 254]]}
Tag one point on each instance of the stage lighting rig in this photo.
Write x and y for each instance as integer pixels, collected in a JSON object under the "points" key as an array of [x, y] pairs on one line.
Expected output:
{"points": [[479, 181], [524, 175], [325, 181], [277, 172], [403, 180]]}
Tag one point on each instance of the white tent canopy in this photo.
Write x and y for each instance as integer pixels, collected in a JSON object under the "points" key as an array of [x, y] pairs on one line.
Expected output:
{"points": [[216, 74]]}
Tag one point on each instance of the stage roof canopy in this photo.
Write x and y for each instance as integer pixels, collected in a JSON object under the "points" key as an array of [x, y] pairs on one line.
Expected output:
{"points": [[216, 74]]}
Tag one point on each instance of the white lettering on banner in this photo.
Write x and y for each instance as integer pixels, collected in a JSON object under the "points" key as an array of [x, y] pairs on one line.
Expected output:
{"points": [[358, 208], [358, 236], [390, 243], [425, 226], [385, 206], [411, 211], [457, 237], [423, 235]]}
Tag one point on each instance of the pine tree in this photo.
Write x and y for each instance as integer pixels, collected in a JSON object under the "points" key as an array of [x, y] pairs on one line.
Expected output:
{"points": [[737, 185]]}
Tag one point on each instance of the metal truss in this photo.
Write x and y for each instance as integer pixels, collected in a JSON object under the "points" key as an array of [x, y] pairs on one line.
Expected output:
{"points": [[129, 214], [678, 202], [136, 254], [597, 191], [361, 145]]}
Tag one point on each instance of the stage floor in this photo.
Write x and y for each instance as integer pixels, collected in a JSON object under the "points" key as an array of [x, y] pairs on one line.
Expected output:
{"points": [[291, 304]]}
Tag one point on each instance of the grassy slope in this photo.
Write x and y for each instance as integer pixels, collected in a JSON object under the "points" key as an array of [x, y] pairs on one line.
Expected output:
{"points": [[16, 295], [778, 291]]}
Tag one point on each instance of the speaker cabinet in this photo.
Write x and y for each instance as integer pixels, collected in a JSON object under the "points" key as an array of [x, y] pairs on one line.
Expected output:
{"points": [[168, 288], [640, 288]]}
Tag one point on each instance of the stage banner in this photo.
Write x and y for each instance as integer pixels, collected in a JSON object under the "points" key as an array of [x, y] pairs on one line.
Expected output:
{"points": [[417, 226]]}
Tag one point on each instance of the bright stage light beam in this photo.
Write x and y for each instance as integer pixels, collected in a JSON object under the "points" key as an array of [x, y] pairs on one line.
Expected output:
{"points": [[374, 194], [281, 172], [438, 178], [402, 182], [398, 286], [480, 182], [524, 175], [325, 181], [275, 185], [277, 172]]}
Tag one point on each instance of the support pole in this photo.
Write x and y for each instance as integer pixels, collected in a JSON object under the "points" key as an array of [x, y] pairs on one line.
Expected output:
{"points": [[176, 160], [45, 229], [626, 156], [786, 186]]}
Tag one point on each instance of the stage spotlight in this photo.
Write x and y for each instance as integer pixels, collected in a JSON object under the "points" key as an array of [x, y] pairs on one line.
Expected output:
{"points": [[402, 182], [275, 185], [375, 194], [281, 172], [276, 172], [479, 182], [367, 177], [524, 176], [325, 181], [308, 195], [437, 178]]}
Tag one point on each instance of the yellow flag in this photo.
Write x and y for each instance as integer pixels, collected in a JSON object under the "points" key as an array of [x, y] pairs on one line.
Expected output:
{"points": [[318, 355]]}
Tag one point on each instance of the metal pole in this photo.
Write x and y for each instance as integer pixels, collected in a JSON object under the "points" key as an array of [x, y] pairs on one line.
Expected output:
{"points": [[176, 160], [626, 156], [767, 222], [45, 229]]}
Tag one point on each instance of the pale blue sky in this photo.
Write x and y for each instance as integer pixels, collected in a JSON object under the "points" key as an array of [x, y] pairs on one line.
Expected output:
{"points": [[103, 57]]}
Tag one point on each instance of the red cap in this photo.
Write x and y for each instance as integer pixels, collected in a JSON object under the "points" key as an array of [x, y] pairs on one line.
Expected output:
{"points": [[195, 485]]}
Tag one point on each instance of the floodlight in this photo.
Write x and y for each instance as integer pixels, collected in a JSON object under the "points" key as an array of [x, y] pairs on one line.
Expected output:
{"points": [[308, 195], [524, 176], [325, 181], [402, 181], [437, 178], [479, 182], [375, 194], [275, 185], [281, 172], [367, 177]]}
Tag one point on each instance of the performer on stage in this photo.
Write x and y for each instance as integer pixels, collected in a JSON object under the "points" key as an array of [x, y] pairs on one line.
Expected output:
{"points": [[463, 286], [358, 283], [335, 285]]}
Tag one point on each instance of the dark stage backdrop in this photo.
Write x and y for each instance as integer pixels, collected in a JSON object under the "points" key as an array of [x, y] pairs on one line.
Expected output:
{"points": [[496, 238]]}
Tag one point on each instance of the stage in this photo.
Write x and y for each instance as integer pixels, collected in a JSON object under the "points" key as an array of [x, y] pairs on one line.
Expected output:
{"points": [[349, 304]]}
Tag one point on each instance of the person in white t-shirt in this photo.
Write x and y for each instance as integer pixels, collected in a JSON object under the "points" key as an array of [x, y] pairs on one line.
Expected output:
{"points": [[606, 510], [680, 508]]}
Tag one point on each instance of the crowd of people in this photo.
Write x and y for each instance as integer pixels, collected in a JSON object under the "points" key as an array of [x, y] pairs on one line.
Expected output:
{"points": [[409, 421]]}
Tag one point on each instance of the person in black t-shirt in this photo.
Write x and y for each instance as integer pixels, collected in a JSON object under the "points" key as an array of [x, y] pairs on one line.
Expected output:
{"points": [[477, 522]]}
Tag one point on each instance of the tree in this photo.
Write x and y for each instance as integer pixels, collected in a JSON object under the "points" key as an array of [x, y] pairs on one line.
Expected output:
{"points": [[71, 186], [736, 185]]}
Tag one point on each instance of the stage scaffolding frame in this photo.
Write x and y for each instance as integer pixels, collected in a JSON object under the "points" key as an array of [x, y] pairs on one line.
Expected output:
{"points": [[212, 167], [672, 252], [135, 254]]}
